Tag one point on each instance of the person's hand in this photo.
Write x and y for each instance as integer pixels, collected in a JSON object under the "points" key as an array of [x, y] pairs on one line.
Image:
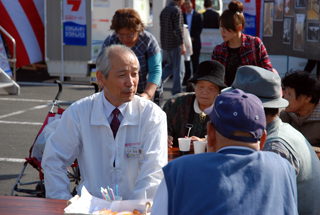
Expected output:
{"points": [[144, 95], [183, 49], [194, 138], [170, 143]]}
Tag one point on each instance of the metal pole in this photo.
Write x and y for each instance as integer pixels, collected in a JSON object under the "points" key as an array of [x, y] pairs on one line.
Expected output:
{"points": [[14, 60], [45, 32], [62, 44], [287, 63]]}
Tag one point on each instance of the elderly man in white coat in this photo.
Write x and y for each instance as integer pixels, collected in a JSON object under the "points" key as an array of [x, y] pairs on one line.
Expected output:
{"points": [[119, 139]]}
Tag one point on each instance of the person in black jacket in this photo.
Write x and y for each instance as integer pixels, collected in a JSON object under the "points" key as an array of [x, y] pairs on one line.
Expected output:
{"points": [[210, 17], [194, 21]]}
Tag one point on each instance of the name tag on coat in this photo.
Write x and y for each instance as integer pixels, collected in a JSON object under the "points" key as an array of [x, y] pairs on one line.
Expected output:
{"points": [[133, 151]]}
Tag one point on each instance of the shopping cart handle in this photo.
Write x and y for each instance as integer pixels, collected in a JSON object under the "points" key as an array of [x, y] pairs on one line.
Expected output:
{"points": [[60, 89]]}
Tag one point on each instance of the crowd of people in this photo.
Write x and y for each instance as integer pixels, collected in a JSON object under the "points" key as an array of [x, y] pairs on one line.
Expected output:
{"points": [[261, 143]]}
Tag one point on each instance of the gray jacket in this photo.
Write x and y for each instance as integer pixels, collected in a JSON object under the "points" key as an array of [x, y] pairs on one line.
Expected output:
{"points": [[308, 178]]}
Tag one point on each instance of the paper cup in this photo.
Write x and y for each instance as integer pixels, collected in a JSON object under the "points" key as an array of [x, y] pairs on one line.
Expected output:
{"points": [[184, 144], [199, 146]]}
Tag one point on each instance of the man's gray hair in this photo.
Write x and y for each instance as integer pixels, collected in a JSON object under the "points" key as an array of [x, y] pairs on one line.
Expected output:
{"points": [[103, 62]]}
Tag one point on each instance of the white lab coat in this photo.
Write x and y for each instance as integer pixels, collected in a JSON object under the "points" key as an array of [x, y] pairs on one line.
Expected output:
{"points": [[84, 133]]}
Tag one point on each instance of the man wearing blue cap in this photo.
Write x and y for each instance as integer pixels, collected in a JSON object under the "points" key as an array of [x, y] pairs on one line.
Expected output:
{"points": [[282, 138], [237, 179]]}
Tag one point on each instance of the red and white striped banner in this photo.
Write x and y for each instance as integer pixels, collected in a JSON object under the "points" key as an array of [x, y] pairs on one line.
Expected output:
{"points": [[24, 21]]}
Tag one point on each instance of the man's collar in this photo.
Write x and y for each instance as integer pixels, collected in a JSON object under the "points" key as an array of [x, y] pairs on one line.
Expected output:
{"points": [[236, 148], [190, 13], [110, 107], [271, 123]]}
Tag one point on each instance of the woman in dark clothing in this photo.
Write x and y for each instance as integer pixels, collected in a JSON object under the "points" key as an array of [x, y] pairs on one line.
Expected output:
{"points": [[186, 110]]}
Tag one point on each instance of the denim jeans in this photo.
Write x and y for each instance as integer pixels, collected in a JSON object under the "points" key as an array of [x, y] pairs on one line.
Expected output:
{"points": [[174, 66]]}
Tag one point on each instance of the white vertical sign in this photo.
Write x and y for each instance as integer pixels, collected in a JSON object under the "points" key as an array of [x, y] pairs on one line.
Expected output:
{"points": [[75, 25]]}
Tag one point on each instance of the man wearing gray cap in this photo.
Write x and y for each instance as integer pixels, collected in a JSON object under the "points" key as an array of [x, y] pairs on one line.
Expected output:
{"points": [[282, 138], [237, 179]]}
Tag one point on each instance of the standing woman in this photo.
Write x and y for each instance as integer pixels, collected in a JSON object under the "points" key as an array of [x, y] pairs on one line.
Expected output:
{"points": [[238, 49], [130, 31]]}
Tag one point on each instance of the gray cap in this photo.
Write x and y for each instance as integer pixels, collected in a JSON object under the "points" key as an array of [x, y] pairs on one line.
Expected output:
{"points": [[261, 82]]}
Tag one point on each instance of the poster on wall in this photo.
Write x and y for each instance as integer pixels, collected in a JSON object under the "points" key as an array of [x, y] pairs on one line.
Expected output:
{"points": [[289, 8], [298, 42], [278, 10], [268, 19], [301, 3], [313, 32], [287, 30], [313, 9], [75, 25], [250, 16]]}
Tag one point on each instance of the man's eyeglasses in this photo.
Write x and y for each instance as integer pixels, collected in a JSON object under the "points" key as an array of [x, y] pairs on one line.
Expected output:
{"points": [[129, 36]]}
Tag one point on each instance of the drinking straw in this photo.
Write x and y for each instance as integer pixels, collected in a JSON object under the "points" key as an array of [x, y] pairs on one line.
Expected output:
{"points": [[117, 191], [95, 209], [106, 194], [112, 195], [104, 197], [108, 189]]}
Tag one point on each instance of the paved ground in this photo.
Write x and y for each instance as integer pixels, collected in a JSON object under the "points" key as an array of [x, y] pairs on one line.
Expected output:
{"points": [[22, 116]]}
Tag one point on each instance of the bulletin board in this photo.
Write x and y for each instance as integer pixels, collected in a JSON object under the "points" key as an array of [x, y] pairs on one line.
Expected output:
{"points": [[291, 27]]}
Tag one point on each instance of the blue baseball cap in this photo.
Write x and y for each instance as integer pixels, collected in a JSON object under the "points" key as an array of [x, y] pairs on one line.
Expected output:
{"points": [[238, 111]]}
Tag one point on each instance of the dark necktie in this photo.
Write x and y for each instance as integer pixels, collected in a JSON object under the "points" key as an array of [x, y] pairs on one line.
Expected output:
{"points": [[115, 122]]}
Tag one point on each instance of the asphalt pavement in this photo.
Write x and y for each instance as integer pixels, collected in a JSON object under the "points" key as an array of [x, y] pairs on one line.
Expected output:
{"points": [[21, 117]]}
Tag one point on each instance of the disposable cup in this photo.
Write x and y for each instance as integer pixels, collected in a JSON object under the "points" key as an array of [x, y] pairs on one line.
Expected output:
{"points": [[199, 146], [184, 145], [117, 198]]}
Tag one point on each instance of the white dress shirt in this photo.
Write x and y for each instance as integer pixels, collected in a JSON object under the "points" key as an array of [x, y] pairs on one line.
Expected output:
{"points": [[189, 19], [84, 133]]}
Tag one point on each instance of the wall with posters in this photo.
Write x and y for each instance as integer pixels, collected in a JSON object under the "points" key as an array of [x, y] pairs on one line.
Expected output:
{"points": [[291, 27]]}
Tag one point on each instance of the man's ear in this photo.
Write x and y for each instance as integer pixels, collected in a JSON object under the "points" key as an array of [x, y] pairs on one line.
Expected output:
{"points": [[263, 139], [308, 99], [100, 78], [211, 137]]}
